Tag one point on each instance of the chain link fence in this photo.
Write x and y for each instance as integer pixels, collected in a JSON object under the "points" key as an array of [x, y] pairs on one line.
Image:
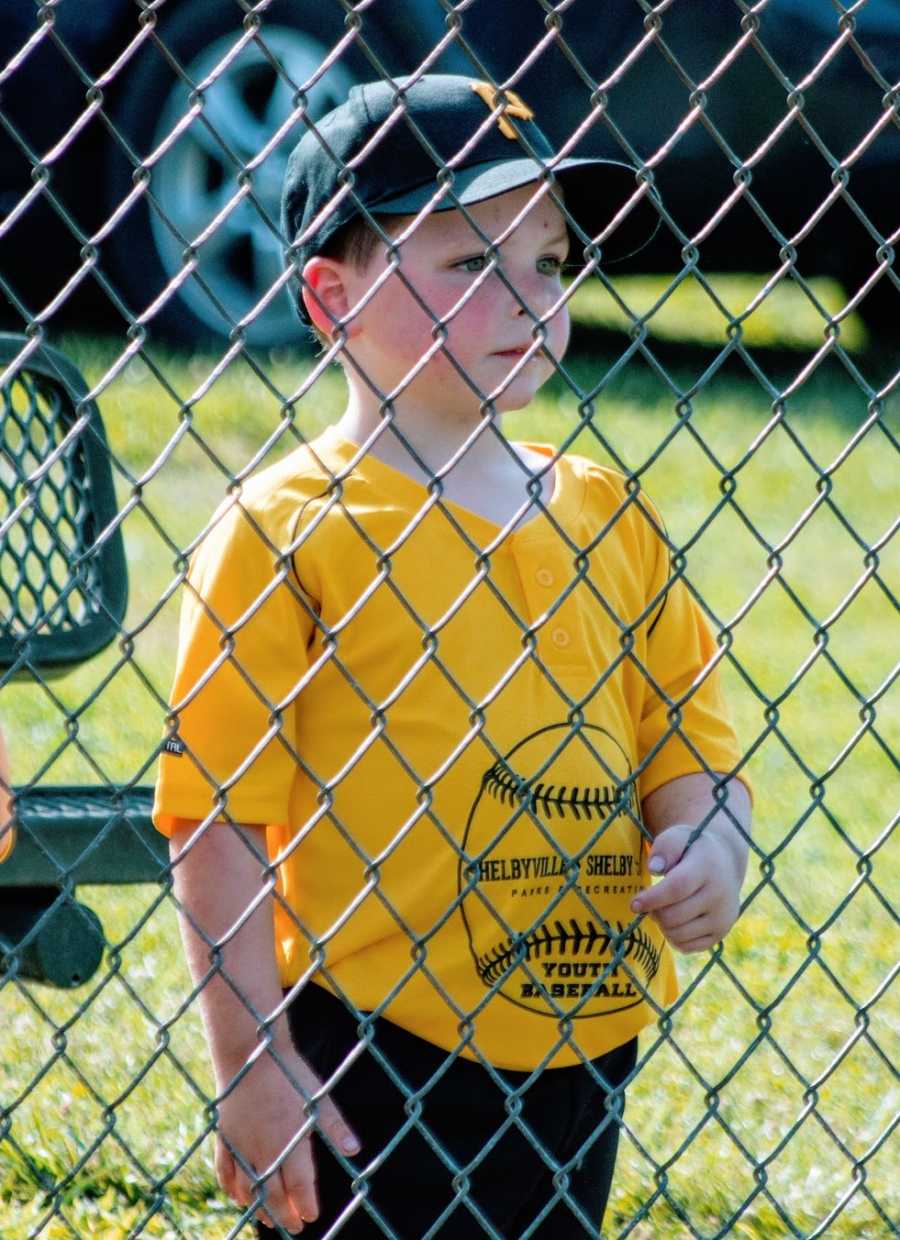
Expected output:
{"points": [[750, 391]]}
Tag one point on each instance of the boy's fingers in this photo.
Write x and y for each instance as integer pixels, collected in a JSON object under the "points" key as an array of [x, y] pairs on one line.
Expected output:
{"points": [[702, 944], [269, 1207], [680, 884], [277, 1202], [298, 1174], [241, 1192], [225, 1167], [272, 1203], [336, 1128], [329, 1121], [668, 849], [298, 1170], [693, 931], [674, 917], [265, 1219]]}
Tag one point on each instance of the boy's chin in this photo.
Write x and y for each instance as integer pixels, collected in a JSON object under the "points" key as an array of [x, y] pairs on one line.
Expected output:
{"points": [[511, 404], [518, 395]]}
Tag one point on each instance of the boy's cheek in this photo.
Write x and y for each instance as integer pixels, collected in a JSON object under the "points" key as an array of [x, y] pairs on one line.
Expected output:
{"points": [[558, 332], [564, 329]]}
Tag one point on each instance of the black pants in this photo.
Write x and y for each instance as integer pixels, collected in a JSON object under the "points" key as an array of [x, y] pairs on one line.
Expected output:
{"points": [[565, 1109]]}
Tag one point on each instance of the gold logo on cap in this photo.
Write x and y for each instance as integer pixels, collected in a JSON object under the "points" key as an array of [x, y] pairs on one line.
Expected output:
{"points": [[514, 105]]}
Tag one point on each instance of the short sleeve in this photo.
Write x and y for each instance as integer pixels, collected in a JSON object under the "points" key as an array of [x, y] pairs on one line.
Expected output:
{"points": [[243, 647], [685, 723]]}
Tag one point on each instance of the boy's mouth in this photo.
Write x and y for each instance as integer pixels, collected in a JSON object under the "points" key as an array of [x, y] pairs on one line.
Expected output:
{"points": [[518, 352]]}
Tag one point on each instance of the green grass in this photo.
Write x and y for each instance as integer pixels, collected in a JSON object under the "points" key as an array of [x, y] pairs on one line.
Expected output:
{"points": [[109, 1054], [704, 310]]}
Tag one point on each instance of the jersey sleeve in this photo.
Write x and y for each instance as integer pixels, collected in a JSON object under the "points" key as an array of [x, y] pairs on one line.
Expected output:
{"points": [[243, 647], [685, 723]]}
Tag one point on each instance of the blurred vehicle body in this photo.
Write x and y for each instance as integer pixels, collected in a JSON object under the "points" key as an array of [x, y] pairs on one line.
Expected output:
{"points": [[111, 95]]}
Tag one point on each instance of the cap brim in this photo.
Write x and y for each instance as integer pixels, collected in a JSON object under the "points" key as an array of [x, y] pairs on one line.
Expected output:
{"points": [[595, 190]]}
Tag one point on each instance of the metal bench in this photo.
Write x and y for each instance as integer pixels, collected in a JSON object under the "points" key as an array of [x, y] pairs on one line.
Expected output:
{"points": [[63, 594]]}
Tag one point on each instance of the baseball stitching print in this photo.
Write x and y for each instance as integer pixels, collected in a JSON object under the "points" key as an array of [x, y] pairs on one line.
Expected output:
{"points": [[577, 938], [536, 809]]}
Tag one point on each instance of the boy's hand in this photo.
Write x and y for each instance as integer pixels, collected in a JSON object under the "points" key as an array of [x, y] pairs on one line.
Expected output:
{"points": [[698, 901], [260, 1118]]}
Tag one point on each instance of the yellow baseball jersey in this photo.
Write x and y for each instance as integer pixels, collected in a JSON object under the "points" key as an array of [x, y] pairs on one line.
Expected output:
{"points": [[448, 732]]}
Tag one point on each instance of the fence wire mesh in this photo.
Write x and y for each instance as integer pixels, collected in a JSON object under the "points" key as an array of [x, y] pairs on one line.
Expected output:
{"points": [[764, 137]]}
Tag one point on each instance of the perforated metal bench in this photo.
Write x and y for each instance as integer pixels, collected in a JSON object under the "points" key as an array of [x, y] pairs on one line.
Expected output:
{"points": [[63, 594]]}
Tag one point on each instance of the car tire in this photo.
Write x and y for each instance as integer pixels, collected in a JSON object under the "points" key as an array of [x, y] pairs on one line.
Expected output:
{"points": [[196, 178]]}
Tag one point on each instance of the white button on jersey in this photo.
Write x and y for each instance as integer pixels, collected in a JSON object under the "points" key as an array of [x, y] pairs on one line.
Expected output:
{"points": [[544, 577], [560, 638]]}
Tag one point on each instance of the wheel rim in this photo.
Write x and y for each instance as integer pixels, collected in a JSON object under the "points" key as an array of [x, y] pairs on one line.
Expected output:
{"points": [[195, 180]]}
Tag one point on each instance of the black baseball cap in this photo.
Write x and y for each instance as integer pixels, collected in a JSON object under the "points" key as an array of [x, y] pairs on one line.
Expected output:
{"points": [[431, 123]]}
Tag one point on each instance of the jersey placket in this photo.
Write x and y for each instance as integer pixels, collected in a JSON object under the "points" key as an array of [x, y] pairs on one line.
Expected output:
{"points": [[551, 592]]}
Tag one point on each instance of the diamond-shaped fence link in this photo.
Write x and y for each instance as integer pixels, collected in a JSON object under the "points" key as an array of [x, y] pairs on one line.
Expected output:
{"points": [[374, 638]]}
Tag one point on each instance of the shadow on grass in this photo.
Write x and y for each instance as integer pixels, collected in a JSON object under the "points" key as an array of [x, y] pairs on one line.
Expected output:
{"points": [[690, 363]]}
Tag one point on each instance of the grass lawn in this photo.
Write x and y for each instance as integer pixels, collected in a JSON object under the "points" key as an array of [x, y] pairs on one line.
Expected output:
{"points": [[766, 1108]]}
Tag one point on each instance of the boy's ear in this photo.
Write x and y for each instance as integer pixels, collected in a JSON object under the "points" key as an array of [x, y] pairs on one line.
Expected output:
{"points": [[324, 294]]}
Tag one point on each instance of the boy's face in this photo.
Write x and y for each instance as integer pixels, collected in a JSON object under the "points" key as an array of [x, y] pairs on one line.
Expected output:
{"points": [[488, 331]]}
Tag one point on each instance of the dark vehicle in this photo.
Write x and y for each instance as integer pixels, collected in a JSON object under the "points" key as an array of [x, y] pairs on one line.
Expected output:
{"points": [[142, 147]]}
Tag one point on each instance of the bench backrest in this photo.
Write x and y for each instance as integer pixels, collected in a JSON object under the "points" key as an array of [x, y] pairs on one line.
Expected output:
{"points": [[63, 580]]}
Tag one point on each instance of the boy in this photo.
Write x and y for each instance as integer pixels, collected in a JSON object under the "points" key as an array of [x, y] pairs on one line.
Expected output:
{"points": [[431, 711]]}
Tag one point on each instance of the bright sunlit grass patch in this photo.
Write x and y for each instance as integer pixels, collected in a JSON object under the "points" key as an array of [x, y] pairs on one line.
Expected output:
{"points": [[704, 311]]}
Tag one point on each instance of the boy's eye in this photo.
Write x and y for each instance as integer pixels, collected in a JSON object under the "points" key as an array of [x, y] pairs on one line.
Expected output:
{"points": [[473, 265], [547, 265]]}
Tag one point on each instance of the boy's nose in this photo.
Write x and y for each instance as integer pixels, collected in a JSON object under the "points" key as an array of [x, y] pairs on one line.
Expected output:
{"points": [[535, 297]]}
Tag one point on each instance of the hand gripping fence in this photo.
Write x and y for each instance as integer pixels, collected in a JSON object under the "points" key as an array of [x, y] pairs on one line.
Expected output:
{"points": [[763, 1101]]}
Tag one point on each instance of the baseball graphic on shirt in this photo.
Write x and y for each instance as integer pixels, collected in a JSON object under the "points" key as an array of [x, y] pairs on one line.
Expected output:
{"points": [[553, 858]]}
